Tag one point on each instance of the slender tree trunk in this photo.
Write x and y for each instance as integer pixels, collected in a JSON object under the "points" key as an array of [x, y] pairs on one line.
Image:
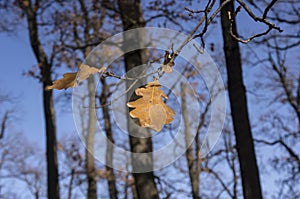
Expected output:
{"points": [[37, 195], [90, 139], [3, 124], [70, 187], [132, 17], [239, 111], [191, 160], [113, 193], [49, 113], [52, 165], [92, 120]]}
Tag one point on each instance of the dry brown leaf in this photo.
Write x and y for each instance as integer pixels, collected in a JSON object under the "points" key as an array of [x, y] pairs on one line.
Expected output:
{"points": [[85, 71], [168, 63], [166, 68], [150, 109], [60, 147], [69, 80]]}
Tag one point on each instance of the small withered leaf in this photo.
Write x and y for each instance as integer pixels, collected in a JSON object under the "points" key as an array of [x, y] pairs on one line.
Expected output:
{"points": [[168, 63], [70, 80], [167, 68], [85, 71]]}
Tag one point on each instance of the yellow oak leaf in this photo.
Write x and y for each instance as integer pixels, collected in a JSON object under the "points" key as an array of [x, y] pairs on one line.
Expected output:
{"points": [[150, 109], [69, 80]]}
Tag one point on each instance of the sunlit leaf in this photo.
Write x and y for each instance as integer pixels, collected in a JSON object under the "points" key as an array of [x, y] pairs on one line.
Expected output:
{"points": [[150, 109]]}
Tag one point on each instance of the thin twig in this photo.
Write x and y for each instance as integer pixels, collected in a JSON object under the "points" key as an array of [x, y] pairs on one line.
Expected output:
{"points": [[255, 18], [190, 36], [268, 8]]}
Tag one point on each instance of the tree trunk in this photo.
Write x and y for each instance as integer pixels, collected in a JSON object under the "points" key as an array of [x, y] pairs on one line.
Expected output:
{"points": [[91, 172], [132, 17], [52, 165], [191, 160], [239, 111], [113, 192], [3, 124], [90, 139], [70, 187], [45, 69]]}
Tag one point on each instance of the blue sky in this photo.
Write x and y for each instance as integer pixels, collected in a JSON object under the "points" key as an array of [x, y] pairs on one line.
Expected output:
{"points": [[16, 58]]}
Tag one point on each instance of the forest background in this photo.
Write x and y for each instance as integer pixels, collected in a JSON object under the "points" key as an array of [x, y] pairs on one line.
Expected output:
{"points": [[257, 154]]}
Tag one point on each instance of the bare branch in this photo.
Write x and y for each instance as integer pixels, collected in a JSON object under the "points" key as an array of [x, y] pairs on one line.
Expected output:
{"points": [[255, 18], [208, 8], [3, 124], [285, 146], [263, 20], [245, 41], [191, 35], [216, 175], [281, 72], [268, 8]]}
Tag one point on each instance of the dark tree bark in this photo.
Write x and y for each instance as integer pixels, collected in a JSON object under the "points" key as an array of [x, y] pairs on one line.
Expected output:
{"points": [[45, 70], [113, 192], [3, 124], [70, 186], [52, 165], [132, 17], [239, 110]]}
